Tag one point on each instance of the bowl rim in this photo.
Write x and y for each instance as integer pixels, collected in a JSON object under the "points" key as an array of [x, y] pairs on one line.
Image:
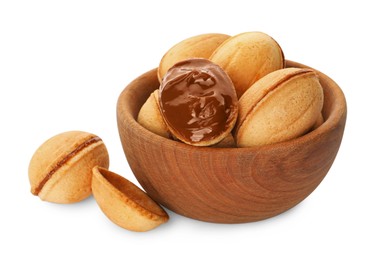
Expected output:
{"points": [[338, 112]]}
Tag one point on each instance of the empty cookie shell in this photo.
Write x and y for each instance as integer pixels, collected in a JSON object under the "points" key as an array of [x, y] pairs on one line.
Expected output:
{"points": [[124, 203]]}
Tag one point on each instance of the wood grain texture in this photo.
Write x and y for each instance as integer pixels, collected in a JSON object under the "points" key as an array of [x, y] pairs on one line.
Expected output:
{"points": [[229, 185]]}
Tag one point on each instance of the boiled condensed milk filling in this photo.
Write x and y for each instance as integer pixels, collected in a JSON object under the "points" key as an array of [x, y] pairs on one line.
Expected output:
{"points": [[198, 102]]}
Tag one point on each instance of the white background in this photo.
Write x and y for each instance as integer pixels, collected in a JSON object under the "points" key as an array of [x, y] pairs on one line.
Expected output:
{"points": [[63, 65]]}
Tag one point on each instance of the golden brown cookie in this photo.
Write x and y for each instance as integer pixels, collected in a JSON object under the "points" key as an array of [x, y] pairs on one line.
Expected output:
{"points": [[318, 122], [150, 117], [199, 46], [61, 168], [281, 106], [247, 57], [227, 142]]}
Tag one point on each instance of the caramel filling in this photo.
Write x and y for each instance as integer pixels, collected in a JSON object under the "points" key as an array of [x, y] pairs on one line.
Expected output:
{"points": [[197, 100], [64, 160]]}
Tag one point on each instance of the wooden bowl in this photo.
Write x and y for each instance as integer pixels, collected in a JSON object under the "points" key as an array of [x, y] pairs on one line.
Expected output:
{"points": [[229, 185]]}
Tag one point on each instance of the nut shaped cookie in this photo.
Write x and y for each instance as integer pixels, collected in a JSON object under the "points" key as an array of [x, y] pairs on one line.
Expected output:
{"points": [[150, 116], [227, 142], [247, 57], [61, 168], [124, 203], [281, 106], [318, 122], [199, 46]]}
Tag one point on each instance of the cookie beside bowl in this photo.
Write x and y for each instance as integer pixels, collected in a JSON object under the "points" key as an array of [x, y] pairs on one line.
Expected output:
{"points": [[229, 185]]}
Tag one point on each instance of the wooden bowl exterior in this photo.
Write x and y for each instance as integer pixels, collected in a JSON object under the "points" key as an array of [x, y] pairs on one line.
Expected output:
{"points": [[229, 185]]}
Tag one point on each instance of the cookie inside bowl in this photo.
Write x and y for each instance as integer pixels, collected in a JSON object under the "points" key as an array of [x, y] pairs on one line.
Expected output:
{"points": [[229, 185]]}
